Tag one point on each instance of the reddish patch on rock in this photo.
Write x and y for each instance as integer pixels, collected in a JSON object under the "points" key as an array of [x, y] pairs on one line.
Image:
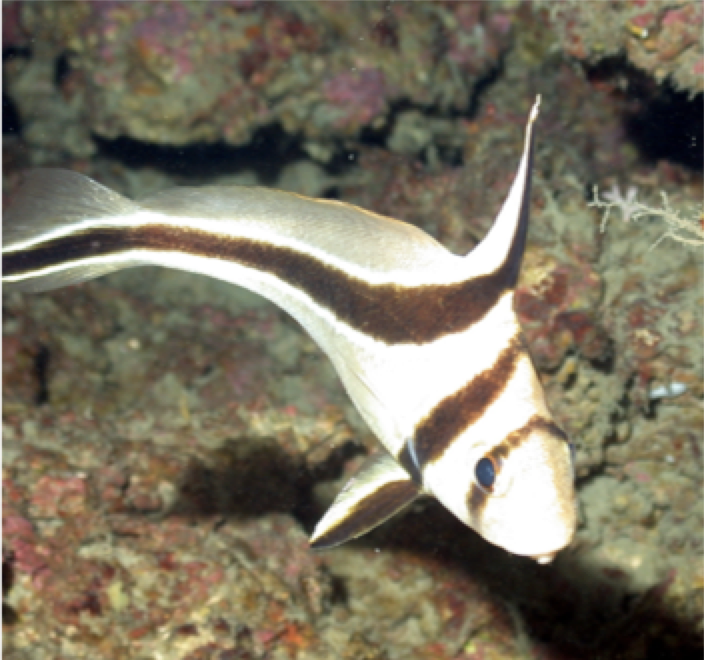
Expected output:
{"points": [[591, 340], [59, 497], [362, 93], [531, 307]]}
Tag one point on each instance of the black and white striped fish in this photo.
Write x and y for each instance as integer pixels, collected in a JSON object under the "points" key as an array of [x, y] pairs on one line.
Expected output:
{"points": [[426, 342]]}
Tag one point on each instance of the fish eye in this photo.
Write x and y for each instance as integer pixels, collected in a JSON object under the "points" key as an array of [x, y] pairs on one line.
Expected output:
{"points": [[485, 473]]}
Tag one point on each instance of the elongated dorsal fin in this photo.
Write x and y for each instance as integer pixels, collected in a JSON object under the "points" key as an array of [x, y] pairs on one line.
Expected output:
{"points": [[505, 242], [379, 490]]}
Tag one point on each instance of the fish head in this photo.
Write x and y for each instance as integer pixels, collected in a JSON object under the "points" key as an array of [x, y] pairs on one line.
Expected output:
{"points": [[519, 493]]}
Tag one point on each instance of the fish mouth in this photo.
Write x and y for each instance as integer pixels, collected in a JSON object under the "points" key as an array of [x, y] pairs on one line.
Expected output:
{"points": [[545, 557]]}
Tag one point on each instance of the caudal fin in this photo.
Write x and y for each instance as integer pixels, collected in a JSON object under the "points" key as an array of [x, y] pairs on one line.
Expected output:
{"points": [[43, 225]]}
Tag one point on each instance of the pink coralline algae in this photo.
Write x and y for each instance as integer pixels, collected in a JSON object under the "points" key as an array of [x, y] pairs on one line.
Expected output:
{"points": [[13, 34], [27, 557], [58, 496], [162, 36], [556, 303], [359, 96], [480, 39], [182, 72], [657, 37]]}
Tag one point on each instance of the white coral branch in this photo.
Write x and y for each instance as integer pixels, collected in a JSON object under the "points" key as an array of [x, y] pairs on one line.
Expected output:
{"points": [[688, 229]]}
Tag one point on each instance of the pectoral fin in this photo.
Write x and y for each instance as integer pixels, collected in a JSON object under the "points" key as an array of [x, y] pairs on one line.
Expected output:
{"points": [[378, 491]]}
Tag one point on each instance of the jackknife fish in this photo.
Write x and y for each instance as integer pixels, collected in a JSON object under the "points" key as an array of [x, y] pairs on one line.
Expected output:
{"points": [[426, 342]]}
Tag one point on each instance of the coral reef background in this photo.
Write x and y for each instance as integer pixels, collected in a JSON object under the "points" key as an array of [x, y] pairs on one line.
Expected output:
{"points": [[169, 441]]}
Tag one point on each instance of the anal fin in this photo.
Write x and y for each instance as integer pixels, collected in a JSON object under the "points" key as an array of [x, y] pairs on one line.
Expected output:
{"points": [[379, 490]]}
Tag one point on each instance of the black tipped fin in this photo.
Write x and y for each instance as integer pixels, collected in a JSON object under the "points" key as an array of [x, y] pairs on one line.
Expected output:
{"points": [[378, 491], [501, 250]]}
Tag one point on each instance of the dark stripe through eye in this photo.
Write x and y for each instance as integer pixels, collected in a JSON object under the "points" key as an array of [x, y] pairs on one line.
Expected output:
{"points": [[485, 473]]}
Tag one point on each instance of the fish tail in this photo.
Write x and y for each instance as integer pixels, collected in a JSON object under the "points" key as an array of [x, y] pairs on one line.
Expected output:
{"points": [[43, 227]]}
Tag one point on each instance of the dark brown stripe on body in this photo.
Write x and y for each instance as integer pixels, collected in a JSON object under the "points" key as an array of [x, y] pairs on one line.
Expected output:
{"points": [[406, 461], [369, 512], [478, 497], [391, 313], [457, 412]]}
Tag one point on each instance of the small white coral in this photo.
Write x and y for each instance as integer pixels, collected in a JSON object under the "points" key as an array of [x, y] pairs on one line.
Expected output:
{"points": [[629, 205], [688, 229]]}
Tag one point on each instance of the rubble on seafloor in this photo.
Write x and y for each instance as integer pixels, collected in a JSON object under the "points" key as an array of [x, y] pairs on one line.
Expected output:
{"points": [[170, 441]]}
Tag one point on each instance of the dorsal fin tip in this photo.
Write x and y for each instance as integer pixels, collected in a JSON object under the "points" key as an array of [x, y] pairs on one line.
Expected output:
{"points": [[501, 250]]}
